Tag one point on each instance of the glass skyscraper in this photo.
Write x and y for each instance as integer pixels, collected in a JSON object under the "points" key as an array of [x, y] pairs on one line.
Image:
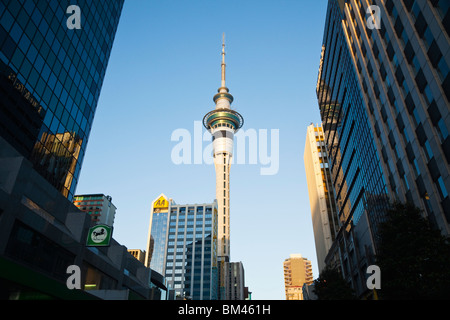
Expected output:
{"points": [[383, 94], [182, 246], [50, 80], [358, 182]]}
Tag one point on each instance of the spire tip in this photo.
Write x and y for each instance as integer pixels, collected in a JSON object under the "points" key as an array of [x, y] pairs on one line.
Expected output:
{"points": [[223, 60]]}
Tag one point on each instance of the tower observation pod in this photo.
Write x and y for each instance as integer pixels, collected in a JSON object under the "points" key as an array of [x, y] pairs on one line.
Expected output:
{"points": [[223, 123]]}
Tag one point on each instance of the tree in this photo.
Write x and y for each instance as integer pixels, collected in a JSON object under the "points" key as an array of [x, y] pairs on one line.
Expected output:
{"points": [[331, 286], [414, 259]]}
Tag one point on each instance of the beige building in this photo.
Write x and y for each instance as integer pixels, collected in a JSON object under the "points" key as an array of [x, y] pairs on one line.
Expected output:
{"points": [[297, 271], [320, 189], [138, 254]]}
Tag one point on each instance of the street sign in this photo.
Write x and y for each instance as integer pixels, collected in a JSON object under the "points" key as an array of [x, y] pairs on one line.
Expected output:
{"points": [[99, 236]]}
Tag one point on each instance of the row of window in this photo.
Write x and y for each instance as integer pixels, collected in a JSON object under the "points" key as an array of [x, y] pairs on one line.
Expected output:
{"points": [[346, 128], [437, 61], [37, 45]]}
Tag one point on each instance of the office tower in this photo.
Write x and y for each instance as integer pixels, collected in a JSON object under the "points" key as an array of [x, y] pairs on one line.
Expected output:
{"points": [[50, 81], [155, 253], [383, 91], [320, 189], [235, 281], [182, 246], [297, 272], [223, 122], [99, 207]]}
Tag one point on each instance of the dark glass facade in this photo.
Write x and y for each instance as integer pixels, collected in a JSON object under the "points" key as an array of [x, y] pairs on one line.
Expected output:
{"points": [[50, 80], [184, 249], [383, 95], [358, 182], [191, 257], [158, 239], [410, 100]]}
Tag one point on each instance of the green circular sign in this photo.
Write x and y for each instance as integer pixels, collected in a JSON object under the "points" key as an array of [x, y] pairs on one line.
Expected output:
{"points": [[99, 235]]}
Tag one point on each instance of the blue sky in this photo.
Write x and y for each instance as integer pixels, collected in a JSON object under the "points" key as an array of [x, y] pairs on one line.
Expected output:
{"points": [[163, 71]]}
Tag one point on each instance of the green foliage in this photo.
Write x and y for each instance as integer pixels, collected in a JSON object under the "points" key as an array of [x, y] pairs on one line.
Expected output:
{"points": [[414, 259], [331, 286]]}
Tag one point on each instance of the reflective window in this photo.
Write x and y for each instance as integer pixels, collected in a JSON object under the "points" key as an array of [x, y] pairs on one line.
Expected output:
{"points": [[38, 54]]}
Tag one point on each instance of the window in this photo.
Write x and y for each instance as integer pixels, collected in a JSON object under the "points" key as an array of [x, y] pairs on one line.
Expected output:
{"points": [[434, 54], [442, 69], [420, 24], [416, 117], [409, 52], [428, 95], [442, 7], [442, 130], [441, 186], [421, 80], [416, 65], [31, 247], [416, 167], [428, 37], [405, 180], [405, 135], [428, 151]]}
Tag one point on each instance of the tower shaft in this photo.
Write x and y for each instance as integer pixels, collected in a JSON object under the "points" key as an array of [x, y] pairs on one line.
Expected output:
{"points": [[222, 163], [223, 139]]}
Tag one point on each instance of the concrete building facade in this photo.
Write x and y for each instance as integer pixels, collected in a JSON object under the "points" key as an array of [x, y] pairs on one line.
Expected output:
{"points": [[297, 272], [321, 192], [42, 234], [235, 281], [99, 207]]}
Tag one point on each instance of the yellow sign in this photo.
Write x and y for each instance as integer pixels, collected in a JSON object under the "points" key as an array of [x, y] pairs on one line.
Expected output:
{"points": [[161, 203]]}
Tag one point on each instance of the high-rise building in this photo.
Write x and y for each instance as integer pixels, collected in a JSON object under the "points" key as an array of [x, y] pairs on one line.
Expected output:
{"points": [[182, 246], [320, 189], [383, 90], [235, 281], [297, 272], [157, 242], [50, 80], [99, 207]]}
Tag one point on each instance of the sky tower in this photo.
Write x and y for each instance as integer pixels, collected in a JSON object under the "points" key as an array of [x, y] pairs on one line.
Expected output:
{"points": [[223, 123]]}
